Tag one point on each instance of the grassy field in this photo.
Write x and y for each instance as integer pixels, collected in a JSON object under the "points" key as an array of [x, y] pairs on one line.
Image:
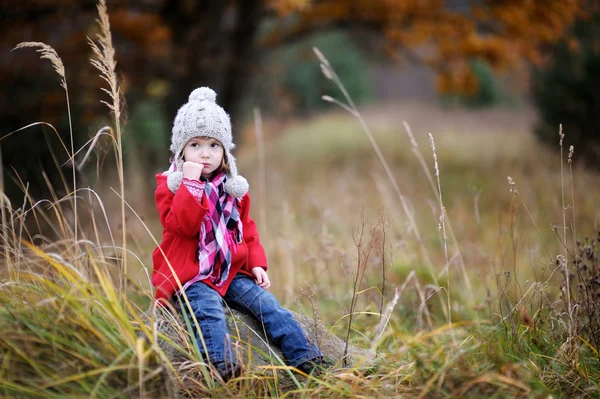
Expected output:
{"points": [[67, 330], [322, 172], [468, 271]]}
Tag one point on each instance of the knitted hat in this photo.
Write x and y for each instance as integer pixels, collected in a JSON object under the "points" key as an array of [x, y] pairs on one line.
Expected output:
{"points": [[202, 117]]}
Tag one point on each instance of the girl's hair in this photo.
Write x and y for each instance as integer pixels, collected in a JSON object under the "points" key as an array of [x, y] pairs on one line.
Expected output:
{"points": [[224, 167]]}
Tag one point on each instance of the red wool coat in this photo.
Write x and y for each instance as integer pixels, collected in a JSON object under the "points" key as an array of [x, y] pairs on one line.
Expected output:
{"points": [[181, 215]]}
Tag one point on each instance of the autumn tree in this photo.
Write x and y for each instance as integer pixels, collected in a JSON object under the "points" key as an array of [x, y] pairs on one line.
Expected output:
{"points": [[565, 91], [165, 48]]}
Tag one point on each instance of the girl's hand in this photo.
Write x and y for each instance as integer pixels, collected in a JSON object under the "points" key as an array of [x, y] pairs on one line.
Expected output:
{"points": [[261, 277], [192, 170]]}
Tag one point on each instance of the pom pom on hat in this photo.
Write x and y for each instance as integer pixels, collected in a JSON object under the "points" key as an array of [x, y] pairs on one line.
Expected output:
{"points": [[237, 186], [174, 180], [204, 94]]}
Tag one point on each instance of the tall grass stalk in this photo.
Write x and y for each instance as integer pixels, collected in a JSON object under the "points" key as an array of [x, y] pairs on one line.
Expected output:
{"points": [[106, 65], [50, 54], [513, 189], [566, 263], [435, 188], [513, 217], [363, 251], [262, 174], [330, 74], [442, 224], [4, 206], [442, 227], [386, 317], [384, 222], [573, 227]]}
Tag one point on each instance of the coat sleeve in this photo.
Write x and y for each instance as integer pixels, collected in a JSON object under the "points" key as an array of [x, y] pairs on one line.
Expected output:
{"points": [[256, 252], [179, 213]]}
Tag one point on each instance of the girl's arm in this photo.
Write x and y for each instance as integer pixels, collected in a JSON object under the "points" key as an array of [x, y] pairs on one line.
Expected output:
{"points": [[180, 213], [256, 252]]}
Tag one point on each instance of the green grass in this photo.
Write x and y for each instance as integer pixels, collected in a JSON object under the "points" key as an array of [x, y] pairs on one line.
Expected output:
{"points": [[68, 334], [487, 319]]}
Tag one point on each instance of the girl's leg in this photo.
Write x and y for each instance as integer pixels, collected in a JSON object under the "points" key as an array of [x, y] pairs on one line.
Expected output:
{"points": [[245, 295], [207, 306]]}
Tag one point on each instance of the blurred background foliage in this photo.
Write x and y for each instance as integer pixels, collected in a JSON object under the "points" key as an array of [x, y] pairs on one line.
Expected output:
{"points": [[290, 81], [258, 54], [565, 90], [489, 92]]}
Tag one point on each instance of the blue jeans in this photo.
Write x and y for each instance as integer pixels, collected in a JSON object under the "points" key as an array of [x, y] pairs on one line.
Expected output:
{"points": [[246, 296]]}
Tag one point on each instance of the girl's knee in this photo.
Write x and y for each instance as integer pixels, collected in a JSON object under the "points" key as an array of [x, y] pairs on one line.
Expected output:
{"points": [[267, 302]]}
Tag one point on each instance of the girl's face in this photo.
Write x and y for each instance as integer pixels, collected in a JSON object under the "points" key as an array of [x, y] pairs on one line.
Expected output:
{"points": [[205, 151]]}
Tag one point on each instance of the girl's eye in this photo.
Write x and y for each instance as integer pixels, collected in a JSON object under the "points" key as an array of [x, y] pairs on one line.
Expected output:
{"points": [[214, 145], [194, 145]]}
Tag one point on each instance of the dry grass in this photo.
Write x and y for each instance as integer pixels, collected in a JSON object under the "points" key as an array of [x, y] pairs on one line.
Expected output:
{"points": [[321, 173], [476, 298]]}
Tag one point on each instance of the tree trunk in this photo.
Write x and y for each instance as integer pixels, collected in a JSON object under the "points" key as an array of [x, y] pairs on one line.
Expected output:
{"points": [[213, 46]]}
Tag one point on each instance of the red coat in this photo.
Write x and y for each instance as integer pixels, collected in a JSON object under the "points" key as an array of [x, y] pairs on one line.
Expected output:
{"points": [[181, 215]]}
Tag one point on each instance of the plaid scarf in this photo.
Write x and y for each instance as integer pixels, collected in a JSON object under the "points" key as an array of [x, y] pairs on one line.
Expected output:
{"points": [[220, 233]]}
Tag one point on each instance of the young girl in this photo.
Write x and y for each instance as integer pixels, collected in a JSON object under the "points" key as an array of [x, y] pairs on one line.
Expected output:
{"points": [[212, 243]]}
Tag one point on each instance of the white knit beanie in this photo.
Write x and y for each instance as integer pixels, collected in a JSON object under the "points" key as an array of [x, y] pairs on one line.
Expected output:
{"points": [[202, 117]]}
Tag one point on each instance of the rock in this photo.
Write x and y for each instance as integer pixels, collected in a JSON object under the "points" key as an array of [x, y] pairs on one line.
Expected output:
{"points": [[246, 332], [245, 328]]}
